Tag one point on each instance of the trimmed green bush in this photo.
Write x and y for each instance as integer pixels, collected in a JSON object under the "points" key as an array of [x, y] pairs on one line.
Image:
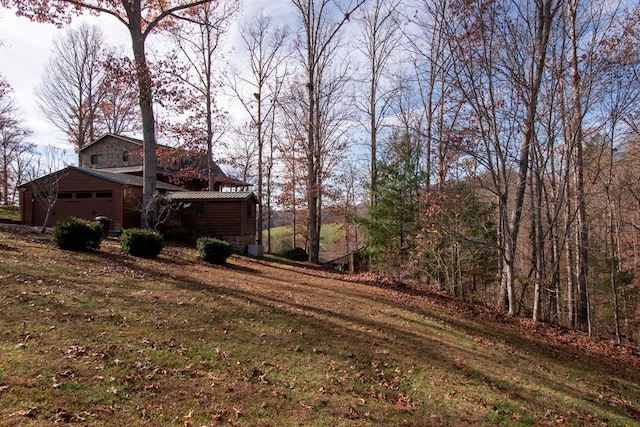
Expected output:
{"points": [[296, 254], [212, 250], [141, 242], [76, 234]]}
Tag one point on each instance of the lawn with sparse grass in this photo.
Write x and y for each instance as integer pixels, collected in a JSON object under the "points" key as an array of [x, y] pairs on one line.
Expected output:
{"points": [[10, 212], [331, 243], [107, 339]]}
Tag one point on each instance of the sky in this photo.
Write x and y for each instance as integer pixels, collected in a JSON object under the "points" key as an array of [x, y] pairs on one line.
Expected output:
{"points": [[25, 48]]}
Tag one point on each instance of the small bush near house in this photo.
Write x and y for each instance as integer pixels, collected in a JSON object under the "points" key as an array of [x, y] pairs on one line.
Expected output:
{"points": [[212, 250], [76, 234], [296, 254], [141, 242]]}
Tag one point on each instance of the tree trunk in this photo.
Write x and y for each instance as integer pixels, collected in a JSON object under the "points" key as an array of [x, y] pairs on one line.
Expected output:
{"points": [[373, 129], [582, 235], [545, 12], [538, 242], [145, 87], [312, 180], [5, 180], [614, 267], [259, 126]]}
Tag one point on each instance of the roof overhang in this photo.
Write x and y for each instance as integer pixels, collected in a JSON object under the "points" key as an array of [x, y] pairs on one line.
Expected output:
{"points": [[193, 196]]}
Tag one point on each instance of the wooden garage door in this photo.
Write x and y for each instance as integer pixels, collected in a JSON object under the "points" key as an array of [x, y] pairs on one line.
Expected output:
{"points": [[80, 204]]}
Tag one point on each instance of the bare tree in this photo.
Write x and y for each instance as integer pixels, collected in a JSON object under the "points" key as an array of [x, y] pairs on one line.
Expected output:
{"points": [[140, 17], [292, 158], [118, 111], [243, 153], [195, 66], [316, 48], [503, 48], [433, 62], [70, 93], [259, 91], [379, 41], [348, 198], [13, 145], [585, 24], [45, 180]]}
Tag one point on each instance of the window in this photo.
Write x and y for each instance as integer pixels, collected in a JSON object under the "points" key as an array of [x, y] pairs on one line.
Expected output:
{"points": [[125, 156], [249, 210], [104, 194], [200, 209], [65, 195], [96, 159], [83, 195]]}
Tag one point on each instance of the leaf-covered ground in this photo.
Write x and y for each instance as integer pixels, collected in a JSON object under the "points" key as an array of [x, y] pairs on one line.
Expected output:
{"points": [[104, 338]]}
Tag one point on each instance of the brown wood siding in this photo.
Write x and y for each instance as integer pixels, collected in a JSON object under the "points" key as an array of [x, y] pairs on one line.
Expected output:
{"points": [[74, 183], [26, 208], [249, 218], [131, 207], [221, 218]]}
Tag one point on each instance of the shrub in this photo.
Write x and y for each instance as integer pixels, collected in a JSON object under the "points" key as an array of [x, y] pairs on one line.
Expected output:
{"points": [[141, 242], [212, 250], [296, 254], [76, 234]]}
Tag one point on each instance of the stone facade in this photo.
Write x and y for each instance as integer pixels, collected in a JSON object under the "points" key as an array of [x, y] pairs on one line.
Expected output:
{"points": [[239, 243], [111, 151]]}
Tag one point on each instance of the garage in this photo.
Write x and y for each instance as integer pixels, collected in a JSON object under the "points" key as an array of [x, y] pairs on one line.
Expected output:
{"points": [[84, 193], [81, 204]]}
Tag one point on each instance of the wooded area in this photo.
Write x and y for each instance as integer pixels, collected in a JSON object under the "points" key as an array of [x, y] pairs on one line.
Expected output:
{"points": [[487, 147]]}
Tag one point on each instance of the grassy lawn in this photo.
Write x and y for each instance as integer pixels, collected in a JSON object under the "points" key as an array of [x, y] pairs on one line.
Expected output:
{"points": [[330, 237], [107, 339], [10, 212]]}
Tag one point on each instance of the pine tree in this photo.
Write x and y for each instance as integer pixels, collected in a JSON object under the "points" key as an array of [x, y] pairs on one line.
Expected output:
{"points": [[393, 222]]}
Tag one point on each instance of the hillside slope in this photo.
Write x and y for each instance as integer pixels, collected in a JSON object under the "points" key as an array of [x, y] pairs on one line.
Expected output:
{"points": [[107, 339]]}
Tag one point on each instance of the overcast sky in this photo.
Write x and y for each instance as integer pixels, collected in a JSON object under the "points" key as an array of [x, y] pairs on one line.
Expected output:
{"points": [[26, 46]]}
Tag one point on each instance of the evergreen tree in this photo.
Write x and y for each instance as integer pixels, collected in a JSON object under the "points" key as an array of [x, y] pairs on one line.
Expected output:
{"points": [[393, 221]]}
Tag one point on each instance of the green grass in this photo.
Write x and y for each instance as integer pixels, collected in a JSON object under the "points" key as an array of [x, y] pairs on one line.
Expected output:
{"points": [[106, 339], [331, 237], [10, 212]]}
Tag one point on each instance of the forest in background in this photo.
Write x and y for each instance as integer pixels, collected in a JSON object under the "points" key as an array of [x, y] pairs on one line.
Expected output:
{"points": [[487, 147]]}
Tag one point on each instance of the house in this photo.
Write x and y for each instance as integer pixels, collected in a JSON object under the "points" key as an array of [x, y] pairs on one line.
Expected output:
{"points": [[227, 215], [85, 193], [109, 183], [123, 154]]}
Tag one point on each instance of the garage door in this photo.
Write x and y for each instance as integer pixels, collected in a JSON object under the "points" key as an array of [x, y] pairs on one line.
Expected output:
{"points": [[83, 204]]}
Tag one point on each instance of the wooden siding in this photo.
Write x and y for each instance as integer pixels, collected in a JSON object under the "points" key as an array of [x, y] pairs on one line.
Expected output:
{"points": [[74, 184], [230, 220], [131, 210], [221, 218], [88, 194]]}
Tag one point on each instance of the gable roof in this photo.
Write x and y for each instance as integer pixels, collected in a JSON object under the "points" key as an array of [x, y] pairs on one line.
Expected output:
{"points": [[135, 141], [190, 159], [211, 195], [118, 178], [219, 175]]}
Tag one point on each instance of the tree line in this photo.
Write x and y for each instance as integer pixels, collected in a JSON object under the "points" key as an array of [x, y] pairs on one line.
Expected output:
{"points": [[487, 147]]}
